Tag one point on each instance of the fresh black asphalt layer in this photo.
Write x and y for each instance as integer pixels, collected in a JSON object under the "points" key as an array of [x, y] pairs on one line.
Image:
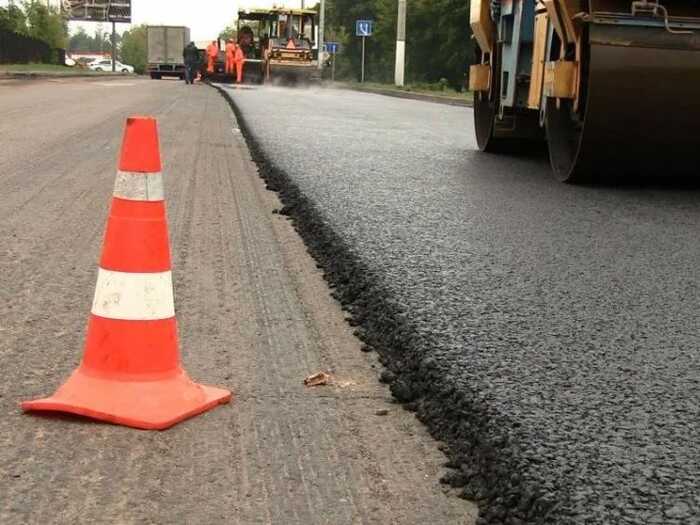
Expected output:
{"points": [[547, 333]]}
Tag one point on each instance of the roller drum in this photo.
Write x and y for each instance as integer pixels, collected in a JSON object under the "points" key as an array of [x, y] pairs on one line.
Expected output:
{"points": [[641, 104]]}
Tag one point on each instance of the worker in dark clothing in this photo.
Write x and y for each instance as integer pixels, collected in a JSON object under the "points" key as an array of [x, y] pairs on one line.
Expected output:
{"points": [[191, 56]]}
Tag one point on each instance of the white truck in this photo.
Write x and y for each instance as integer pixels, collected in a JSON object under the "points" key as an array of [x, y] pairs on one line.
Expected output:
{"points": [[165, 46]]}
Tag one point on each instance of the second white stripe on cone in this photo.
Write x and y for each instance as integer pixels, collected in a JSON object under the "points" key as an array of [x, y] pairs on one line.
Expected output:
{"points": [[134, 296]]}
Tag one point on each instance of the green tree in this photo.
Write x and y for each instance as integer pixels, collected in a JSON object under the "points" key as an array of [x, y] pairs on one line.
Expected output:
{"points": [[45, 24], [342, 15], [229, 32], [438, 39], [101, 41], [134, 48], [439, 42], [12, 19], [81, 41]]}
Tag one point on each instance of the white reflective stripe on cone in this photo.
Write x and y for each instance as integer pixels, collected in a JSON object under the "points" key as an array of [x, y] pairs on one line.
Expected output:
{"points": [[134, 296], [139, 186]]}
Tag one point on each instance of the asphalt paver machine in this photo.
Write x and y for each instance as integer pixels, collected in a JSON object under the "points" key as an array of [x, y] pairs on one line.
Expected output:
{"points": [[281, 43], [612, 86]]}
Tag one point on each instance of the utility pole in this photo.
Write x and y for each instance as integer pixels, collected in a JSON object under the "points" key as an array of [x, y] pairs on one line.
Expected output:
{"points": [[401, 45], [114, 47], [321, 35]]}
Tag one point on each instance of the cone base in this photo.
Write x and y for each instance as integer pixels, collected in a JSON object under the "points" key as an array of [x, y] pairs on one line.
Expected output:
{"points": [[148, 405]]}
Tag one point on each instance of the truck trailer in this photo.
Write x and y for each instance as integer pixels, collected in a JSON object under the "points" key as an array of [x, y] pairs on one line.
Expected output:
{"points": [[165, 46], [612, 86]]}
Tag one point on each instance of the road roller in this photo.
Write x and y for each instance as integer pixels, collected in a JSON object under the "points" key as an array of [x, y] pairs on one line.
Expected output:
{"points": [[612, 86]]}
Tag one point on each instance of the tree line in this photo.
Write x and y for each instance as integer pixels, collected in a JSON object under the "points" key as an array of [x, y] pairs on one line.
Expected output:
{"points": [[101, 41], [132, 45], [438, 44], [33, 18]]}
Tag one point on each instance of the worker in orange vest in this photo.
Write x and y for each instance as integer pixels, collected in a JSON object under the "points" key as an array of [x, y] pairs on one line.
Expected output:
{"points": [[212, 55], [230, 56], [240, 60]]}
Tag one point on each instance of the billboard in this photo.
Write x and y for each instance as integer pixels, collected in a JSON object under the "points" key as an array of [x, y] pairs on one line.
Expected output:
{"points": [[98, 10]]}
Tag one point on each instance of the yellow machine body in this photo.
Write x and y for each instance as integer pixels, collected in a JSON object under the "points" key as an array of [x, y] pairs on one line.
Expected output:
{"points": [[611, 85]]}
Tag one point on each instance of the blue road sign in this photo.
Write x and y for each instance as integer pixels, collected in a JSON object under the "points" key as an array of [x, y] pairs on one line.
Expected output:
{"points": [[333, 48], [364, 27]]}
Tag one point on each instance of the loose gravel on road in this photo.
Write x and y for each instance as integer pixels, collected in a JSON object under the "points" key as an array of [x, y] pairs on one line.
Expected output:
{"points": [[548, 333]]}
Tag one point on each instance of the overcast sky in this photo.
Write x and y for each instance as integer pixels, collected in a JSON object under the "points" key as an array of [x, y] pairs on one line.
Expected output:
{"points": [[206, 18]]}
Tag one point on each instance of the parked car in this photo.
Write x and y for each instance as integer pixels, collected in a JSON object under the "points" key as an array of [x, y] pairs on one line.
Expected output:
{"points": [[106, 65]]}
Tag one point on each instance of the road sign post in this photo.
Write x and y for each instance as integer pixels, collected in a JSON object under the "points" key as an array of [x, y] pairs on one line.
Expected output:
{"points": [[364, 29], [332, 48], [364, 39]]}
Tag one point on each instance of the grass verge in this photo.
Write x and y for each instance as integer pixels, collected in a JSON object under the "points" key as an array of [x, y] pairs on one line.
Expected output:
{"points": [[432, 90], [48, 69]]}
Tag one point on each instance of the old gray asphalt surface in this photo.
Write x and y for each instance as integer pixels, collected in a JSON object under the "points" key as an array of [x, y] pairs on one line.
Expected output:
{"points": [[551, 331], [254, 315]]}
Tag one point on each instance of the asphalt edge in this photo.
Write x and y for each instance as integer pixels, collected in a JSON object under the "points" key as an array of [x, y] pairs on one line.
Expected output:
{"points": [[481, 447]]}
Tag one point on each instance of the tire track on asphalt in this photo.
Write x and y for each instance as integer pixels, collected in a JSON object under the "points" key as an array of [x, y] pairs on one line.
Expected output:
{"points": [[77, 201], [272, 351], [111, 119], [348, 473], [244, 255], [255, 258]]}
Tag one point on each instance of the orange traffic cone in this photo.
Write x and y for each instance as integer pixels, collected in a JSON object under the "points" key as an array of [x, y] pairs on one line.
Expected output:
{"points": [[131, 373]]}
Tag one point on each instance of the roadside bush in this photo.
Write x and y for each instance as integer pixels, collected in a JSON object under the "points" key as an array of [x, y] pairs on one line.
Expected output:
{"points": [[22, 49], [134, 50]]}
